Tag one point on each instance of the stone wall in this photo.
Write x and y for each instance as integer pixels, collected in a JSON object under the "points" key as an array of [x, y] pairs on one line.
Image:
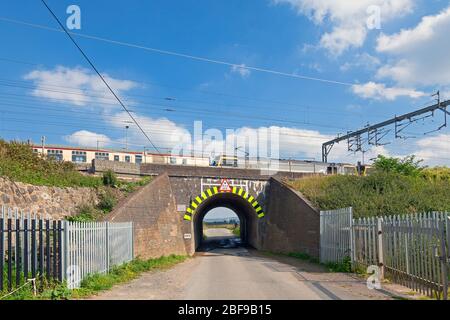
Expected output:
{"points": [[54, 201], [291, 224], [118, 167], [158, 227]]}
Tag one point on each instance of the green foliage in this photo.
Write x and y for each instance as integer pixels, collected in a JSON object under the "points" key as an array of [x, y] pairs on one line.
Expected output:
{"points": [[109, 178], [53, 290], [303, 256], [124, 273], [344, 266], [86, 213], [19, 163], [107, 201], [437, 174], [130, 187], [407, 166], [378, 194], [237, 231]]}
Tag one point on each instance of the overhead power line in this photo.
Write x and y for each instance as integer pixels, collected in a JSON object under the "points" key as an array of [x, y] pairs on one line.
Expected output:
{"points": [[178, 54], [87, 93], [378, 131], [99, 74]]}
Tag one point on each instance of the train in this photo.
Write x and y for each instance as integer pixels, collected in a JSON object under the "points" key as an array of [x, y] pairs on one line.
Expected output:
{"points": [[80, 155]]}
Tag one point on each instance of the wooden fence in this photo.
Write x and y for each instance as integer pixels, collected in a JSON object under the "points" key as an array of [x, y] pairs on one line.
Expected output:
{"points": [[34, 249], [412, 250]]}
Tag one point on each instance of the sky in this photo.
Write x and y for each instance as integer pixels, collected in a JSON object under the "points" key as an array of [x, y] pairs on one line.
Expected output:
{"points": [[307, 70]]}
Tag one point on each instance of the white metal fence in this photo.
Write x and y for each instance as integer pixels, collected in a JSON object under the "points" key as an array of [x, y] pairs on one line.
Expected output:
{"points": [[335, 235], [413, 250], [366, 238], [95, 247]]}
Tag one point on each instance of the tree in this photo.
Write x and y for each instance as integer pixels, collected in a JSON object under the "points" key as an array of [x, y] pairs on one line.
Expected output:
{"points": [[407, 166]]}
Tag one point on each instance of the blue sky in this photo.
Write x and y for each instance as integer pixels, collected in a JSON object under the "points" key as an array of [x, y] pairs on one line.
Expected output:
{"points": [[46, 88]]}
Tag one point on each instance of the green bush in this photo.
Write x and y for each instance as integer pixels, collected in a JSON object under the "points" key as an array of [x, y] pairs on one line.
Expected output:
{"points": [[407, 166], [86, 213], [378, 194], [344, 266], [107, 201], [19, 163], [437, 173], [109, 178]]}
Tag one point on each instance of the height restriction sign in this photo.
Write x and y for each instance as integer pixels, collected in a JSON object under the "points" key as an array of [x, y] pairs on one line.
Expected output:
{"points": [[225, 186]]}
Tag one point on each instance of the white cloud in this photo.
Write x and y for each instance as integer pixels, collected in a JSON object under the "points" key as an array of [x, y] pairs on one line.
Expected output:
{"points": [[379, 91], [362, 60], [347, 18], [88, 139], [241, 70], [434, 150], [419, 54], [162, 132], [77, 86]]}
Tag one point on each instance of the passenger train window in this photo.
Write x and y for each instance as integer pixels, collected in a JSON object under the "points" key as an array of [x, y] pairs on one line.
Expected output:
{"points": [[78, 156], [102, 156], [55, 154], [138, 158]]}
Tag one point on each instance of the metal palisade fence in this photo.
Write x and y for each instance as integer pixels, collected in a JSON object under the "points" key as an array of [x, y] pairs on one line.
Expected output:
{"points": [[95, 247], [36, 249], [335, 235], [412, 250], [30, 249]]}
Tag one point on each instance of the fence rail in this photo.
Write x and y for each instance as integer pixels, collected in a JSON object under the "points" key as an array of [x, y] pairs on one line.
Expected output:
{"points": [[36, 248], [412, 250]]}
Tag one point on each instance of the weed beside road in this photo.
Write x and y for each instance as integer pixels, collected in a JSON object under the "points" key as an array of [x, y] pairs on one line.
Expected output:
{"points": [[95, 283]]}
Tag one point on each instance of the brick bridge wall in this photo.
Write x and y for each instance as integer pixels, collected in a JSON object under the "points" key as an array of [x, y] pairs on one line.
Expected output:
{"points": [[158, 226], [291, 224], [123, 168]]}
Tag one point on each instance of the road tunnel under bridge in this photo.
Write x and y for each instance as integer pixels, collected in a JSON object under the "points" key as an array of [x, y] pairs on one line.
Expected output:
{"points": [[244, 206], [168, 214]]}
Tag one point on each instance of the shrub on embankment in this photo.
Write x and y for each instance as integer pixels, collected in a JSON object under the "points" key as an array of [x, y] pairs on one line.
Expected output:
{"points": [[387, 191], [19, 163]]}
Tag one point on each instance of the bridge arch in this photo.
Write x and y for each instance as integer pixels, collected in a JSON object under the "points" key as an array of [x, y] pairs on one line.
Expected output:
{"points": [[238, 200]]}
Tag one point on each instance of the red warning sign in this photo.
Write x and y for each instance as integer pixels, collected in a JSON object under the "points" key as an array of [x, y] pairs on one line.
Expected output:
{"points": [[225, 186]]}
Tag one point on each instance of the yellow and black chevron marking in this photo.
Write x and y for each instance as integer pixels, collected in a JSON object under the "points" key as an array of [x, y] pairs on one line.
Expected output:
{"points": [[213, 191]]}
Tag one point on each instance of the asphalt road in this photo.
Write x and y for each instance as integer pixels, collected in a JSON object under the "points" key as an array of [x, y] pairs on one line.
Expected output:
{"points": [[239, 273]]}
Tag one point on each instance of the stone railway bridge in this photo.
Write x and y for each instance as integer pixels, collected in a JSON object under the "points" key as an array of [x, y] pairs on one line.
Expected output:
{"points": [[168, 212]]}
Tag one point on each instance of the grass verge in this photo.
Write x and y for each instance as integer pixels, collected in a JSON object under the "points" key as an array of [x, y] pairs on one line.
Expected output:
{"points": [[124, 273], [96, 282]]}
